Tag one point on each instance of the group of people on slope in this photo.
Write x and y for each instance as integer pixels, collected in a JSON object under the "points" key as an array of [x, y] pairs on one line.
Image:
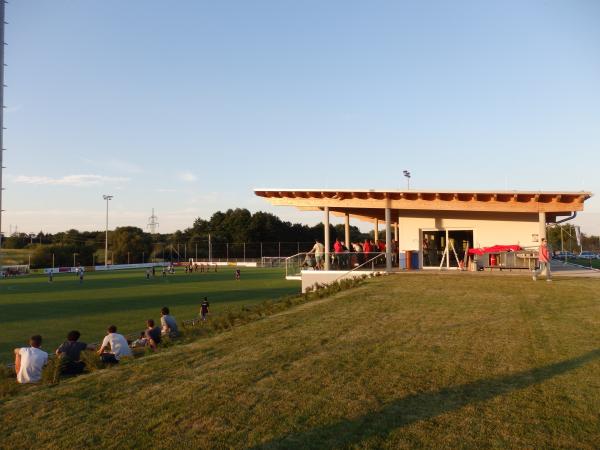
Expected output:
{"points": [[30, 361], [363, 251]]}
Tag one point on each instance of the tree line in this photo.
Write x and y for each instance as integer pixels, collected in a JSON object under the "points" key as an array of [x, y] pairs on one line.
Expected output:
{"points": [[234, 233]]}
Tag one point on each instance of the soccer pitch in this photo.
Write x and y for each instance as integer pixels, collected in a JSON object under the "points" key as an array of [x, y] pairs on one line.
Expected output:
{"points": [[32, 305]]}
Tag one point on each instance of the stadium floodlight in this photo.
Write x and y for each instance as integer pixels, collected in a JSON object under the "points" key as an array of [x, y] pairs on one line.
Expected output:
{"points": [[107, 198], [407, 176]]}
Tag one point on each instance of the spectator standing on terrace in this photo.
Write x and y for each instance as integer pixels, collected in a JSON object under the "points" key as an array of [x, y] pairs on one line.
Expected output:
{"points": [[367, 248], [318, 249], [29, 361], [167, 323], [338, 249], [118, 346], [152, 333], [69, 354], [544, 259]]}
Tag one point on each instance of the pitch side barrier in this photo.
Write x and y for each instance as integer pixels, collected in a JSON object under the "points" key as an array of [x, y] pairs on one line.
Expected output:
{"points": [[222, 263], [103, 268]]}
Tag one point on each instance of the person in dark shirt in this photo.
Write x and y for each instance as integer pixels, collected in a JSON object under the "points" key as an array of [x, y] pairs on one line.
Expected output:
{"points": [[69, 354], [204, 308], [152, 334]]}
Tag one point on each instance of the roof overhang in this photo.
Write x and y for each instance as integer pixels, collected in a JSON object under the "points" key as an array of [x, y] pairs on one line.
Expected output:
{"points": [[363, 203]]}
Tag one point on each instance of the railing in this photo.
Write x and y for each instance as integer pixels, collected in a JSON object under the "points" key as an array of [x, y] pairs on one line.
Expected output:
{"points": [[369, 263], [337, 261]]}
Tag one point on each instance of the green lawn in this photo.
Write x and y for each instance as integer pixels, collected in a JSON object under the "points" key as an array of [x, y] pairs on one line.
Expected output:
{"points": [[594, 263], [405, 361], [32, 305]]}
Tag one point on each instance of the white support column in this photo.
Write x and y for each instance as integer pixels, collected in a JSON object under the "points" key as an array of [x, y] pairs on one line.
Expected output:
{"points": [[388, 240], [396, 232], [347, 232], [542, 229], [326, 232], [376, 231], [398, 239]]}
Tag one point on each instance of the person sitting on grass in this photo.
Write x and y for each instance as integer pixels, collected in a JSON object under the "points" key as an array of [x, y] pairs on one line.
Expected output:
{"points": [[69, 354], [142, 341], [29, 361], [152, 334], [168, 324], [118, 346]]}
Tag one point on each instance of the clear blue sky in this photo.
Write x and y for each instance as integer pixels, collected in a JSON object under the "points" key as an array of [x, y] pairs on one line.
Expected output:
{"points": [[186, 106]]}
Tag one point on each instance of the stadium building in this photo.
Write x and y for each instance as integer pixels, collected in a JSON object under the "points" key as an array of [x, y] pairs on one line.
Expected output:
{"points": [[425, 223]]}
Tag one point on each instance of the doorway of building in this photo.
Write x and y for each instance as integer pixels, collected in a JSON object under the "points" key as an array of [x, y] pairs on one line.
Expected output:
{"points": [[434, 244], [462, 240]]}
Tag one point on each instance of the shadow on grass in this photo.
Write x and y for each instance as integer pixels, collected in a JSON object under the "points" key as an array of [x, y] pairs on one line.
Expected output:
{"points": [[423, 406]]}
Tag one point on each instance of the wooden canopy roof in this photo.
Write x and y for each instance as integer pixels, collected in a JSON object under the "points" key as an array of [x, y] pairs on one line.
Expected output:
{"points": [[364, 202]]}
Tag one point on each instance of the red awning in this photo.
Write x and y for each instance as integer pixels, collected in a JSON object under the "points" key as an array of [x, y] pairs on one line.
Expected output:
{"points": [[495, 249]]}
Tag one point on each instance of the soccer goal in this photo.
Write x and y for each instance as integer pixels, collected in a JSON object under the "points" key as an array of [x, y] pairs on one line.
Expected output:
{"points": [[13, 271], [273, 261]]}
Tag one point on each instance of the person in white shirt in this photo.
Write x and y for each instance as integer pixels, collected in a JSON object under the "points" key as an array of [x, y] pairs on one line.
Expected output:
{"points": [[318, 249], [118, 346], [29, 361]]}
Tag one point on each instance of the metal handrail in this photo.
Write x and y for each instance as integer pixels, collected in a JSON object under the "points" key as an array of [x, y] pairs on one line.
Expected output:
{"points": [[358, 267], [290, 257]]}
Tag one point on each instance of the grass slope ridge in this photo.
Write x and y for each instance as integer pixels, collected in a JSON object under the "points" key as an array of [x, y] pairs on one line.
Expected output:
{"points": [[401, 362]]}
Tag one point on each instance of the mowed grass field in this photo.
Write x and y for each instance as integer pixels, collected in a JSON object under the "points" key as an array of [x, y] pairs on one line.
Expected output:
{"points": [[32, 305], [404, 361]]}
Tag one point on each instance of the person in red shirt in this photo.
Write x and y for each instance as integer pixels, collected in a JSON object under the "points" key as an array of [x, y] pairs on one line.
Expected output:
{"points": [[337, 246], [544, 260], [381, 246], [367, 248]]}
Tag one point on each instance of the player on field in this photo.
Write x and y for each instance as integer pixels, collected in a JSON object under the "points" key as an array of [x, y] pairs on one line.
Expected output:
{"points": [[204, 308]]}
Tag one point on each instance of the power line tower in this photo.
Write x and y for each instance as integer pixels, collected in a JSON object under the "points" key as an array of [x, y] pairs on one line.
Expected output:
{"points": [[2, 45], [153, 222]]}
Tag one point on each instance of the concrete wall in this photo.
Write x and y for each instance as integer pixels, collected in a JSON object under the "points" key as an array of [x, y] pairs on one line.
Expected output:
{"points": [[488, 228], [310, 277]]}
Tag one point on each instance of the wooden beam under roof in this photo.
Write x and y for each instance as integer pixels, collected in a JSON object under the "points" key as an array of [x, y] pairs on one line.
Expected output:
{"points": [[424, 200]]}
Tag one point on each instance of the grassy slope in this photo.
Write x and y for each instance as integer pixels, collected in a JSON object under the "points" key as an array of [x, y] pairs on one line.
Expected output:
{"points": [[31, 305], [406, 361], [9, 256]]}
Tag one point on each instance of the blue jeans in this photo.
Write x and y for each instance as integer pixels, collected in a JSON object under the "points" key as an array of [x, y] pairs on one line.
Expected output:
{"points": [[545, 268]]}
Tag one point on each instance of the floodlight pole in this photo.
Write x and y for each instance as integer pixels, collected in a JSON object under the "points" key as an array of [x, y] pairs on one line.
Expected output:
{"points": [[407, 176], [107, 198], [2, 44]]}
